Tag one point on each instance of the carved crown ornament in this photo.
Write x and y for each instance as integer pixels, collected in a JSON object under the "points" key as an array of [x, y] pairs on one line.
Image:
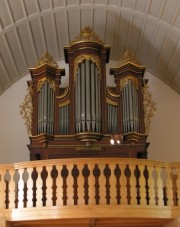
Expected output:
{"points": [[47, 59], [86, 34], [128, 57]]}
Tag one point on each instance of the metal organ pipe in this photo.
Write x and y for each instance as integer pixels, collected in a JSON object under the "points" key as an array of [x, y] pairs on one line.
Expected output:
{"points": [[131, 115], [88, 95], [77, 95], [45, 109], [88, 109], [98, 107], [93, 98], [130, 108], [83, 96]]}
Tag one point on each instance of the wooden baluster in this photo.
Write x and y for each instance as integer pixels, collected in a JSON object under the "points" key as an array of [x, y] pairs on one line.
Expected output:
{"points": [[86, 174], [91, 182], [169, 187], [80, 182], [39, 185], [11, 189], [70, 189], [133, 188], [59, 184], [142, 183], [29, 188], [159, 187], [20, 189], [123, 183], [2, 188], [151, 185], [112, 181], [49, 186], [102, 184], [178, 185]]}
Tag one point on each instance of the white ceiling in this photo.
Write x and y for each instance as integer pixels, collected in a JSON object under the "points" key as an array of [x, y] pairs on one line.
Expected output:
{"points": [[148, 28]]}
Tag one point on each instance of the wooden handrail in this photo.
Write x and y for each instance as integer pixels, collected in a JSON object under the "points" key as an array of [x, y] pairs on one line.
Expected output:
{"points": [[89, 181]]}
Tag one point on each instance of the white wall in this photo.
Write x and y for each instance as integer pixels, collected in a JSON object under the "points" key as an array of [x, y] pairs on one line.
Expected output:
{"points": [[163, 136]]}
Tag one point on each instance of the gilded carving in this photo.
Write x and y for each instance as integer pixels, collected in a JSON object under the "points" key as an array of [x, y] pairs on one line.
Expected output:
{"points": [[26, 109], [65, 92], [111, 93], [47, 59], [149, 107], [80, 59], [111, 102], [41, 83], [127, 58], [87, 34], [124, 82], [65, 103]]}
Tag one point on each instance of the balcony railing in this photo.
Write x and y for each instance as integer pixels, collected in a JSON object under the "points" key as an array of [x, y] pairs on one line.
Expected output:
{"points": [[109, 187]]}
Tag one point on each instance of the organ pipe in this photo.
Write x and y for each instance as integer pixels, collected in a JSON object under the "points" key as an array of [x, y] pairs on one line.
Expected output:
{"points": [[45, 109], [93, 98], [112, 119], [87, 95], [82, 75], [64, 119], [130, 108]]}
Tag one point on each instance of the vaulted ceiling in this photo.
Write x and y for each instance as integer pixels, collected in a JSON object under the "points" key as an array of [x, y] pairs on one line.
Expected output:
{"points": [[148, 28]]}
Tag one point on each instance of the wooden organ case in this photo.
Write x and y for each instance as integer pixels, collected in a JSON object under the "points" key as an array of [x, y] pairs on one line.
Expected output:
{"points": [[80, 120]]}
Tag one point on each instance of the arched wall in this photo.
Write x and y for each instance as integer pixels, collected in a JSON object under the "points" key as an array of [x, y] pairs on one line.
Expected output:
{"points": [[163, 136]]}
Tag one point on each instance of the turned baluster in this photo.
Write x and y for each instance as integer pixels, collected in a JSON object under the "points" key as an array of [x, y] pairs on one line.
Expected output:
{"points": [[91, 184], [151, 185], [2, 188], [80, 183], [102, 184], [160, 201], [49, 186], [39, 192], [20, 189], [123, 185], [169, 187], [178, 185], [70, 183], [113, 184], [59, 185], [11, 189], [29, 188], [133, 184], [142, 183]]}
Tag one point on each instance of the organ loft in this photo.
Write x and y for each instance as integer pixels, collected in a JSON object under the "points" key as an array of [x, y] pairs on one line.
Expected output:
{"points": [[87, 118]]}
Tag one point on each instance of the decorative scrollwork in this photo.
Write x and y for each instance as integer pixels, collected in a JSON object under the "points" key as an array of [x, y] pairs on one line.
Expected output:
{"points": [[41, 83], [64, 93], [26, 109], [149, 107], [86, 34], [112, 93], [95, 59], [124, 82], [111, 102], [65, 103]]}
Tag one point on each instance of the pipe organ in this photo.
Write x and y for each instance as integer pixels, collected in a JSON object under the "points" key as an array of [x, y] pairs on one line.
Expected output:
{"points": [[79, 120]]}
